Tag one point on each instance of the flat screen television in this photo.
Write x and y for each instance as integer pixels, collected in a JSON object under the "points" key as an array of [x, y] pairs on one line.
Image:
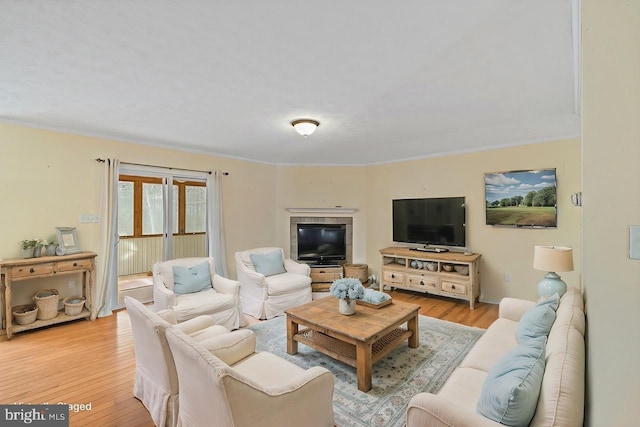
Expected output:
{"points": [[430, 221], [322, 243], [525, 198]]}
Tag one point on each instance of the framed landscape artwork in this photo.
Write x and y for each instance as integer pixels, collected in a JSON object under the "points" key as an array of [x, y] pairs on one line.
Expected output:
{"points": [[524, 198]]}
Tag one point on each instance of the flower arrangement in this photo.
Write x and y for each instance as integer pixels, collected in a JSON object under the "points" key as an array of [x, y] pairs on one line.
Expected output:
{"points": [[347, 289]]}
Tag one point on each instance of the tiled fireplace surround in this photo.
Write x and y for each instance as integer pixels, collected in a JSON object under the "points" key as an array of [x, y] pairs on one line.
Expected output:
{"points": [[295, 220]]}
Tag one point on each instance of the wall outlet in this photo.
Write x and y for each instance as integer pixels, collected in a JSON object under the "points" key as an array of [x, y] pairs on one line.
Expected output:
{"points": [[507, 277], [71, 284]]}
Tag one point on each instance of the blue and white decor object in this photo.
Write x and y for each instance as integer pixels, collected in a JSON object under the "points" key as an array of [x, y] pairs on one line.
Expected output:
{"points": [[347, 290], [552, 259]]}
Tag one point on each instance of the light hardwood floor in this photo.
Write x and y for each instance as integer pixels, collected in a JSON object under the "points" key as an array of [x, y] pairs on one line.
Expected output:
{"points": [[85, 362]]}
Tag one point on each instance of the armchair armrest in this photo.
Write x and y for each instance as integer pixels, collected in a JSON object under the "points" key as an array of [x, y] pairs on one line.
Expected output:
{"points": [[304, 379], [310, 393], [168, 316], [514, 308], [195, 324], [296, 267], [426, 409], [226, 286], [163, 298], [232, 347]]}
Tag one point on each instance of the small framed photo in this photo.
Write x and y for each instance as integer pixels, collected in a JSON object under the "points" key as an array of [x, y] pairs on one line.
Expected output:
{"points": [[68, 240]]}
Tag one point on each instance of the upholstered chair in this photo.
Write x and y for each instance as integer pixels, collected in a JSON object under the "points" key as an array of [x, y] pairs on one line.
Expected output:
{"points": [[227, 383], [271, 283], [156, 380], [196, 290]]}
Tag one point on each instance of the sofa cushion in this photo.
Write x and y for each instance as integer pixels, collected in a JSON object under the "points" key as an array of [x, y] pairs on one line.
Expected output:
{"points": [[188, 280], [463, 387], [282, 284], [510, 392], [538, 320], [497, 340], [268, 264], [206, 302]]}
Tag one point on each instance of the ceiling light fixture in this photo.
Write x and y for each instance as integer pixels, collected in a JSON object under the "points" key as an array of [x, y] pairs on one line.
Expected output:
{"points": [[305, 127]]}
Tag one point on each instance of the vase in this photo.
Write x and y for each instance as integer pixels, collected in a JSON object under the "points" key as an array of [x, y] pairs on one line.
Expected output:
{"points": [[37, 251], [27, 252], [51, 250], [347, 307]]}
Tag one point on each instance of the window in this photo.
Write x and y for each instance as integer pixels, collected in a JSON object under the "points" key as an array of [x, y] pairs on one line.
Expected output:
{"points": [[140, 206]]}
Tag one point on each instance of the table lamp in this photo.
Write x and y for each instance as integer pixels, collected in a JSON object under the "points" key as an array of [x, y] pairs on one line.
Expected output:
{"points": [[552, 259]]}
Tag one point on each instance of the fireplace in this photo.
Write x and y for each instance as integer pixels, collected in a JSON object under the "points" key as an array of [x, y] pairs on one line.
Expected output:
{"points": [[347, 222]]}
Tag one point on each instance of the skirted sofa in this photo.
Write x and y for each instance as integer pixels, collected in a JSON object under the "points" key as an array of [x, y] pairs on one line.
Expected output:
{"points": [[482, 379]]}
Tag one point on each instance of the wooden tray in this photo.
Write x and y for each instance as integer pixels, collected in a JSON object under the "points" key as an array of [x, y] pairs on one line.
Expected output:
{"points": [[368, 304]]}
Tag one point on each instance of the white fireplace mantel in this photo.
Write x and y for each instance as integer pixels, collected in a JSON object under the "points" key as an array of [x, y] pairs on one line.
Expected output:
{"points": [[337, 209]]}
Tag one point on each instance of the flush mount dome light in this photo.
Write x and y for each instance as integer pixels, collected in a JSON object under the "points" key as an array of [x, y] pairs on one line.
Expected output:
{"points": [[305, 127]]}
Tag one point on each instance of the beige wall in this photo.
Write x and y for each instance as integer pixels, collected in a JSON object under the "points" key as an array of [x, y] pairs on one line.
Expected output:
{"points": [[371, 189], [323, 187], [504, 250], [611, 190], [50, 178]]}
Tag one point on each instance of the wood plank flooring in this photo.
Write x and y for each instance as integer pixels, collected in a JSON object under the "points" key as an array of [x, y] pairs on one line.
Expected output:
{"points": [[93, 363]]}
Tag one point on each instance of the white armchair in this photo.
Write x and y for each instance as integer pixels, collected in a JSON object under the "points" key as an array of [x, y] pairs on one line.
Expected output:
{"points": [[268, 289], [226, 383], [156, 380], [221, 300]]}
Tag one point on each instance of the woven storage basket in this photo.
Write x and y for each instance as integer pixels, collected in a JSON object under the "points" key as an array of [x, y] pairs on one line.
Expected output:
{"points": [[357, 271], [73, 305], [25, 314], [47, 302]]}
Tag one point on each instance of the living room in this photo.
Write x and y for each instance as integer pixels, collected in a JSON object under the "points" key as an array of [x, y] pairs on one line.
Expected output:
{"points": [[51, 178]]}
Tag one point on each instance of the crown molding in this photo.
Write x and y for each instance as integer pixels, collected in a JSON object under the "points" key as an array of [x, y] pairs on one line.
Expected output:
{"points": [[337, 209]]}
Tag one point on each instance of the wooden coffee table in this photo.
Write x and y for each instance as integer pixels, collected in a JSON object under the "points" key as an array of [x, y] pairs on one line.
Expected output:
{"points": [[359, 340]]}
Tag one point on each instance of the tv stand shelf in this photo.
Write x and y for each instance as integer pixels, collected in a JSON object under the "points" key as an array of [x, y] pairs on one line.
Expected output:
{"points": [[450, 274]]}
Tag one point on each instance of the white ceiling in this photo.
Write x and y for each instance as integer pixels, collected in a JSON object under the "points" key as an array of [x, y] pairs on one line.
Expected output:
{"points": [[387, 80]]}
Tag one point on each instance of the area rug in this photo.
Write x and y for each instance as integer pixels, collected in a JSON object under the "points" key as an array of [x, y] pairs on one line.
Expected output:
{"points": [[403, 373]]}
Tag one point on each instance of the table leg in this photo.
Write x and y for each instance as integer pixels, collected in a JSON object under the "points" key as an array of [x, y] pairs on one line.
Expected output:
{"points": [[7, 303], [292, 330], [363, 366], [412, 325]]}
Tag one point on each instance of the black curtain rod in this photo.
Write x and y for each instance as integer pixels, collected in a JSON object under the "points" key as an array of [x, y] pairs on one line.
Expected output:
{"points": [[155, 166]]}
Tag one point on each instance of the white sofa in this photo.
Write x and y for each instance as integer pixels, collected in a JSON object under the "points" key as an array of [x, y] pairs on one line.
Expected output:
{"points": [[561, 400]]}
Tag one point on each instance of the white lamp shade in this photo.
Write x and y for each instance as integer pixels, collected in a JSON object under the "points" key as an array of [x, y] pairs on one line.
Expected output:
{"points": [[553, 258], [305, 127]]}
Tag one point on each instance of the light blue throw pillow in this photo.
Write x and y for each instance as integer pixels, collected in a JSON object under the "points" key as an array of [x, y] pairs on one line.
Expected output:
{"points": [[538, 320], [188, 280], [510, 392], [268, 264]]}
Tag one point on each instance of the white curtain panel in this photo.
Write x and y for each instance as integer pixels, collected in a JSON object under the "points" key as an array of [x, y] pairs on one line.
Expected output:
{"points": [[105, 295], [215, 223]]}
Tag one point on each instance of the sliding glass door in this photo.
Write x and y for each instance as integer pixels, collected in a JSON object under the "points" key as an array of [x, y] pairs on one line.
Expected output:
{"points": [[161, 216]]}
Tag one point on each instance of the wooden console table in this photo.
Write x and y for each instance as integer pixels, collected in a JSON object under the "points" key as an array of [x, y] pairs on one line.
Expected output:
{"points": [[15, 270], [450, 274]]}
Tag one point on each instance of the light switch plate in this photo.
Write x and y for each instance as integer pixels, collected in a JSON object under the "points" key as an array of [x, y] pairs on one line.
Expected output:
{"points": [[634, 242], [89, 218]]}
